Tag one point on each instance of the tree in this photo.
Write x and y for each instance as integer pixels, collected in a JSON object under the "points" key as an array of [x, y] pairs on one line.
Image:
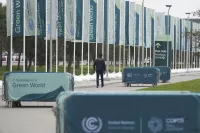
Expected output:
{"points": [[3, 32]]}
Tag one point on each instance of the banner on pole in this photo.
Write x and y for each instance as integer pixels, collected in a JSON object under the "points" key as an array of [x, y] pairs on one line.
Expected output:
{"points": [[145, 27], [131, 23], [137, 25], [159, 23], [185, 35], [111, 21], [117, 21], [60, 24], [177, 34], [140, 26], [100, 23], [79, 19], [148, 28], [30, 18], [52, 13], [152, 12], [168, 22], [122, 22], [181, 35], [41, 17], [127, 23], [86, 20], [8, 17], [105, 20], [70, 5], [93, 18], [172, 31], [18, 15]]}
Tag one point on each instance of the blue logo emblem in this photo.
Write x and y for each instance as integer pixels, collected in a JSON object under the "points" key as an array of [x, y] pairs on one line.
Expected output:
{"points": [[48, 28], [72, 30], [30, 24]]}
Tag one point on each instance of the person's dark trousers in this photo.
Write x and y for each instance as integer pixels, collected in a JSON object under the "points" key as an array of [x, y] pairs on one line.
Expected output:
{"points": [[99, 73]]}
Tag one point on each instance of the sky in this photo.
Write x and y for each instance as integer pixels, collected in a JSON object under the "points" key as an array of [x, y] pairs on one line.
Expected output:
{"points": [[178, 9]]}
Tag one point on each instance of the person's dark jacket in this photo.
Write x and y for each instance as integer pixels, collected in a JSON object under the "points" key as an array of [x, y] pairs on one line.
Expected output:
{"points": [[99, 65]]}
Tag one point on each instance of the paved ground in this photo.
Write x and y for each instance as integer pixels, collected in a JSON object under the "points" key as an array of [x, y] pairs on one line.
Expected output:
{"points": [[41, 119]]}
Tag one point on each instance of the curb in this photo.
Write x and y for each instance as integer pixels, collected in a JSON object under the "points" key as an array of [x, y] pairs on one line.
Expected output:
{"points": [[94, 85]]}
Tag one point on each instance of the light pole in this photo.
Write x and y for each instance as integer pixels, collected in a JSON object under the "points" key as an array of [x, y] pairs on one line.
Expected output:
{"points": [[142, 33], [168, 33], [188, 47]]}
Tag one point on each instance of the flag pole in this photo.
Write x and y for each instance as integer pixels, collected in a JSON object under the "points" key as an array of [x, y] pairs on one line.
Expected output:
{"points": [[46, 41], [56, 49], [82, 37], [129, 48], [108, 24], [35, 35], [120, 40], [24, 37], [11, 33], [96, 28], [74, 69], [51, 30], [114, 39], [89, 39], [65, 34], [57, 38], [103, 31], [124, 52]]}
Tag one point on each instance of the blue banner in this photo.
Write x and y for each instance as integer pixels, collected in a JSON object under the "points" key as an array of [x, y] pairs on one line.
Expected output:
{"points": [[145, 27], [175, 37], [152, 31], [41, 17], [137, 29], [191, 24], [93, 17], [117, 24], [166, 25], [127, 23], [61, 16], [79, 10], [186, 36], [181, 24], [18, 14], [105, 21]]}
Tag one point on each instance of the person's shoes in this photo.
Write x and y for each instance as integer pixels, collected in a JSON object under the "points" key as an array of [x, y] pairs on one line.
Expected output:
{"points": [[97, 86], [102, 86]]}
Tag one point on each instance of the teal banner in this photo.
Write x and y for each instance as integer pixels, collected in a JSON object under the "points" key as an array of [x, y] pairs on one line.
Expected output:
{"points": [[36, 86], [137, 24], [61, 17], [161, 53], [125, 112], [127, 23], [18, 22], [41, 17], [152, 31], [79, 10], [93, 17], [145, 27]]}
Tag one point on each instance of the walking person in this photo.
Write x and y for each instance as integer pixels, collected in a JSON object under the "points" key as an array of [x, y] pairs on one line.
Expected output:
{"points": [[100, 68]]}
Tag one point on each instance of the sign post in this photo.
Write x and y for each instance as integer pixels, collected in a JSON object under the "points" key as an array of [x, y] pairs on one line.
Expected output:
{"points": [[161, 53]]}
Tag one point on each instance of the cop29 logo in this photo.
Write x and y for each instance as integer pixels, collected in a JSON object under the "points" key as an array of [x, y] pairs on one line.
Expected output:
{"points": [[92, 124], [155, 125]]}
